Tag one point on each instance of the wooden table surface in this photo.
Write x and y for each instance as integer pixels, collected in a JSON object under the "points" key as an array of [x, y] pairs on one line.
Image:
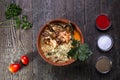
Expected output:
{"points": [[83, 13]]}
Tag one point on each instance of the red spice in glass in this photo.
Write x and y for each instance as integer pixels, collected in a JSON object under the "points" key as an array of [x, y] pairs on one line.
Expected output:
{"points": [[103, 22]]}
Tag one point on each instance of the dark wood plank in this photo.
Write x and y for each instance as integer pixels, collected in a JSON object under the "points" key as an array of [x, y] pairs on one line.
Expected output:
{"points": [[6, 53], [26, 37], [2, 56], [43, 12], [115, 33], [2, 74], [9, 43], [6, 45], [2, 7], [59, 9], [109, 8], [92, 10]]}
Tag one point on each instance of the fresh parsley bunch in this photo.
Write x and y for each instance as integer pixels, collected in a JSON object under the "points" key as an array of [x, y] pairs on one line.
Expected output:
{"points": [[14, 11], [79, 51]]}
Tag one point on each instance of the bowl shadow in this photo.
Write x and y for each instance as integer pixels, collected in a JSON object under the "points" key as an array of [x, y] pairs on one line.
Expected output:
{"points": [[74, 71]]}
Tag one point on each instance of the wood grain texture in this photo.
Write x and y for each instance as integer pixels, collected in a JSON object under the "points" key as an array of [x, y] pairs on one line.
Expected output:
{"points": [[83, 13], [10, 49], [5, 46]]}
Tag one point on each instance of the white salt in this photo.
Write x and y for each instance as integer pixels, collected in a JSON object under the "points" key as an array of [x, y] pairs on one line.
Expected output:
{"points": [[105, 43]]}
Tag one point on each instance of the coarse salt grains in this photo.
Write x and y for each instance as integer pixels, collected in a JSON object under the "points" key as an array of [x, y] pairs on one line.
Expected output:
{"points": [[105, 42]]}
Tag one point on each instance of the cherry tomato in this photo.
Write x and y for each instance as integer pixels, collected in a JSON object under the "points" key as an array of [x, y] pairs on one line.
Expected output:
{"points": [[24, 59], [14, 67]]}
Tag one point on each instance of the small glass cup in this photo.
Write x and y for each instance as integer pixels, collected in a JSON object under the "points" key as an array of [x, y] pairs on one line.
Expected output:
{"points": [[103, 22], [103, 65]]}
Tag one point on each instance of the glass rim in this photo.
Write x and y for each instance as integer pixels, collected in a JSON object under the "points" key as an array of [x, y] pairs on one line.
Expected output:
{"points": [[104, 57]]}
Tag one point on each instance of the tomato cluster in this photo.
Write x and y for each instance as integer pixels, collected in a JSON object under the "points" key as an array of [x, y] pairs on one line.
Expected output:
{"points": [[17, 66]]}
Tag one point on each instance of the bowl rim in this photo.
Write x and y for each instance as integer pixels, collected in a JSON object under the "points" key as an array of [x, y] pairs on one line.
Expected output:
{"points": [[38, 40]]}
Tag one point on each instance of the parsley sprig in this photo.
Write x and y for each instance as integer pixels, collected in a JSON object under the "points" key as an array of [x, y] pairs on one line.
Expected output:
{"points": [[22, 23], [14, 12], [78, 50]]}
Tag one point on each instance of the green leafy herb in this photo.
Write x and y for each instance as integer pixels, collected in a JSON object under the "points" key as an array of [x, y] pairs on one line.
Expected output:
{"points": [[25, 23], [22, 23], [75, 43], [17, 22], [79, 51], [12, 11], [24, 18]]}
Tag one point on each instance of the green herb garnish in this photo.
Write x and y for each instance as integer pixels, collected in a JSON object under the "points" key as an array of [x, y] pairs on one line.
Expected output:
{"points": [[17, 22], [13, 12], [25, 23], [79, 51]]}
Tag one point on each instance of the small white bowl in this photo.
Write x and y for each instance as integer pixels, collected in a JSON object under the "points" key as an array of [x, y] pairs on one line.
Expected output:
{"points": [[105, 42]]}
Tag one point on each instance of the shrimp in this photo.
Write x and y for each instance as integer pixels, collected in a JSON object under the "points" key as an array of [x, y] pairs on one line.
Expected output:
{"points": [[53, 43], [64, 36]]}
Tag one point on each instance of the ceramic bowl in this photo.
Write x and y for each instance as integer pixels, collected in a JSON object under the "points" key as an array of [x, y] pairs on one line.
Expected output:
{"points": [[39, 38]]}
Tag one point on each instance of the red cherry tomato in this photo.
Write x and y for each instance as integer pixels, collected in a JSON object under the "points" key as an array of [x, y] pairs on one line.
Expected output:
{"points": [[14, 67], [24, 59]]}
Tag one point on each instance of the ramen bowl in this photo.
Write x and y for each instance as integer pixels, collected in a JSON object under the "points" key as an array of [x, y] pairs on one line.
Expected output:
{"points": [[50, 47]]}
